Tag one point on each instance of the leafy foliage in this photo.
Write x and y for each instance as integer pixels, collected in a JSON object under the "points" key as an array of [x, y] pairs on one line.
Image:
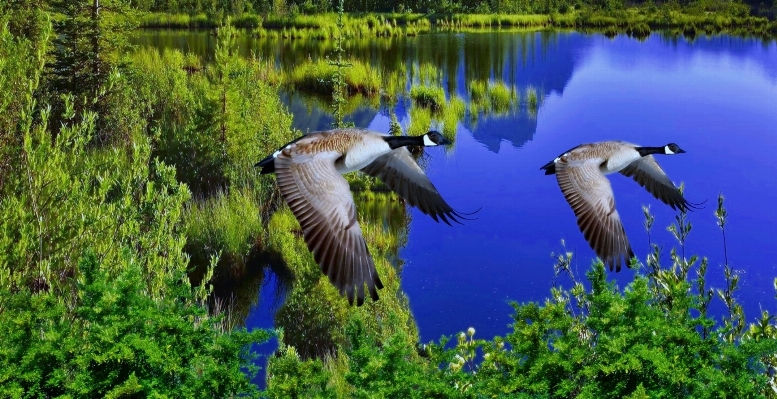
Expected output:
{"points": [[581, 343], [114, 339], [94, 296]]}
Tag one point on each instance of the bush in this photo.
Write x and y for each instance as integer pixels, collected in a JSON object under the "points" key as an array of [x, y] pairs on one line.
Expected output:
{"points": [[94, 296], [116, 340], [652, 339]]}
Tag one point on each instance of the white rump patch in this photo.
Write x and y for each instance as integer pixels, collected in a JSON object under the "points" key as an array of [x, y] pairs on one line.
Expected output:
{"points": [[667, 151], [276, 153], [428, 142]]}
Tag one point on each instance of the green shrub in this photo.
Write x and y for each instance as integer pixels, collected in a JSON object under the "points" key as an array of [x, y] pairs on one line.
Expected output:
{"points": [[115, 340], [94, 297]]}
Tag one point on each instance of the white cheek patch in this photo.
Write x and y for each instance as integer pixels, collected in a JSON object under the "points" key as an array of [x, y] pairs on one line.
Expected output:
{"points": [[667, 151], [428, 142]]}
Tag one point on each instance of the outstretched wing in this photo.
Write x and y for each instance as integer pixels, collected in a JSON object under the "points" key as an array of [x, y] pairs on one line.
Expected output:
{"points": [[589, 194], [647, 173], [401, 173], [321, 201]]}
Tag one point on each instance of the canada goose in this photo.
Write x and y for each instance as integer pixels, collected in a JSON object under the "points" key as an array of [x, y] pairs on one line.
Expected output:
{"points": [[580, 173], [308, 172]]}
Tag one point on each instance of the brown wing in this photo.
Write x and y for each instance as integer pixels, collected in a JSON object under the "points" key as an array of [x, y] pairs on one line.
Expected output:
{"points": [[401, 173], [589, 194], [647, 173], [321, 201]]}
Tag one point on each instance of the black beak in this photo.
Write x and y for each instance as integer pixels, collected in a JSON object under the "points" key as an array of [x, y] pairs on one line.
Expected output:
{"points": [[445, 141], [680, 151]]}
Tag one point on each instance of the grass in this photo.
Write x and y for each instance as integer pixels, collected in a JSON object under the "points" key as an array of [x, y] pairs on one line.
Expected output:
{"points": [[420, 121], [710, 17], [393, 84], [318, 26], [316, 77], [451, 115], [502, 98], [226, 224], [432, 97], [492, 97], [458, 21]]}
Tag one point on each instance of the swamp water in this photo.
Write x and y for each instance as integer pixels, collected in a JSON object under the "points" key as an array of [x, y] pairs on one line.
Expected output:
{"points": [[714, 96]]}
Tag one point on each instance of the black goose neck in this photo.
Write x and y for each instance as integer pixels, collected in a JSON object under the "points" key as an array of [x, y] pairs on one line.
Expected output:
{"points": [[401, 141], [644, 151]]}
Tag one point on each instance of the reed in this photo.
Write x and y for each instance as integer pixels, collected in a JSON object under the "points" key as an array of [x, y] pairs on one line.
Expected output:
{"points": [[432, 97]]}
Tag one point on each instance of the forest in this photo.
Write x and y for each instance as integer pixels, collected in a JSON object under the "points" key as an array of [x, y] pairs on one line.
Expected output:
{"points": [[282, 7], [126, 178]]}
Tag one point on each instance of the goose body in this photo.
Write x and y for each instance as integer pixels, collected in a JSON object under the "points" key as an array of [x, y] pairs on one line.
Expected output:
{"points": [[581, 175], [309, 175]]}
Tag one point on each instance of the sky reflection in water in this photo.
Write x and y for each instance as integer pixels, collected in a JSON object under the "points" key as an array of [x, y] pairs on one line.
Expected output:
{"points": [[715, 97]]}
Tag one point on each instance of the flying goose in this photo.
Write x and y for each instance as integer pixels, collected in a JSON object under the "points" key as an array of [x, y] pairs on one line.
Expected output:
{"points": [[580, 173], [308, 172]]}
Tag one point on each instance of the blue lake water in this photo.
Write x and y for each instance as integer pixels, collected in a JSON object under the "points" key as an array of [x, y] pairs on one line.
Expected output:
{"points": [[714, 96]]}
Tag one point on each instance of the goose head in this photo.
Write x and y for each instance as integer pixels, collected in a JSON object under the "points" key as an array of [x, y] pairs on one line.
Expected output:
{"points": [[433, 138], [672, 149]]}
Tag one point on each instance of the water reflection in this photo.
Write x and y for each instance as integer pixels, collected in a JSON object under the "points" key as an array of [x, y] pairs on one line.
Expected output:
{"points": [[714, 96]]}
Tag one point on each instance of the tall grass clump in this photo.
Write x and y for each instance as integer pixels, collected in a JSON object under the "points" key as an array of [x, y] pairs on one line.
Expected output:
{"points": [[431, 97], [393, 84], [478, 91], [316, 77], [491, 97], [227, 224], [420, 121], [502, 98], [452, 114]]}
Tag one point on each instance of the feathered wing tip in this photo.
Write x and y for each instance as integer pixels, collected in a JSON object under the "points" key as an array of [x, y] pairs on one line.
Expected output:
{"points": [[328, 219], [549, 168], [350, 282], [615, 262], [267, 165], [453, 215], [687, 206]]}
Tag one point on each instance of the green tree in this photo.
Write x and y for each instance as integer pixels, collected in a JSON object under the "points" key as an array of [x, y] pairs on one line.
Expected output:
{"points": [[90, 37]]}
